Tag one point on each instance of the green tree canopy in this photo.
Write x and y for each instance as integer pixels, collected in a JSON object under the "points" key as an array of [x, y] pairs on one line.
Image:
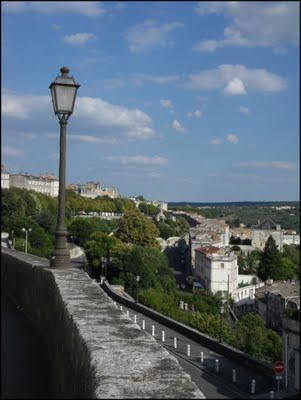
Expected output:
{"points": [[270, 261], [137, 229]]}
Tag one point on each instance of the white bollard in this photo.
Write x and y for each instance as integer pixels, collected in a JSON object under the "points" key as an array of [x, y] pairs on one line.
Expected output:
{"points": [[234, 375], [143, 324], [217, 366], [175, 342], [188, 350], [202, 357], [163, 336], [120, 308], [135, 319], [185, 306], [253, 386], [115, 303], [272, 393], [153, 330], [128, 313]]}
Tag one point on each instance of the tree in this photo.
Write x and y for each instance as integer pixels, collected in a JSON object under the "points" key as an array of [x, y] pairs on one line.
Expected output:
{"points": [[152, 267], [137, 229], [148, 209], [270, 261]]}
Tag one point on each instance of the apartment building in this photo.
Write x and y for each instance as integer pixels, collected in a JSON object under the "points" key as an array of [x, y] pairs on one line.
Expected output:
{"points": [[45, 183]]}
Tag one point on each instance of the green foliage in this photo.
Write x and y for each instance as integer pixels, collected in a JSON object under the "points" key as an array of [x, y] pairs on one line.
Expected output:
{"points": [[273, 266], [76, 203], [82, 228], [137, 229], [148, 209], [152, 267], [252, 337], [170, 228], [292, 252]]}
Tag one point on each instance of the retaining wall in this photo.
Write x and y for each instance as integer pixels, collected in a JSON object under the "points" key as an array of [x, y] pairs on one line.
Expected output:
{"points": [[211, 343], [95, 350]]}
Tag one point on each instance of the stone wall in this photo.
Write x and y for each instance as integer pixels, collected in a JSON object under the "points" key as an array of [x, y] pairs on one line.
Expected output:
{"points": [[95, 350]]}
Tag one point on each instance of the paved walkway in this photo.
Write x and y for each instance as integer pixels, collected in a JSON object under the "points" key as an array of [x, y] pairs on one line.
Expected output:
{"points": [[214, 385], [25, 368]]}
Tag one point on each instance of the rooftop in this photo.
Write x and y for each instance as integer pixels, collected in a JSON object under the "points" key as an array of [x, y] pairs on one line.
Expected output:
{"points": [[268, 224], [212, 251], [289, 290]]}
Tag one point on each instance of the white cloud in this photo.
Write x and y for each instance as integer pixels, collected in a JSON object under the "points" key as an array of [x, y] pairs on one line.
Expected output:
{"points": [[197, 114], [10, 151], [86, 8], [253, 23], [177, 126], [166, 103], [235, 87], [244, 110], [269, 165], [232, 138], [149, 34], [79, 39], [216, 141], [159, 79], [92, 139], [90, 113], [257, 80], [23, 107], [138, 159], [113, 83]]}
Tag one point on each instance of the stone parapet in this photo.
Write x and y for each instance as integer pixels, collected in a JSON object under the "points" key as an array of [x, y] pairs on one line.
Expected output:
{"points": [[96, 351]]}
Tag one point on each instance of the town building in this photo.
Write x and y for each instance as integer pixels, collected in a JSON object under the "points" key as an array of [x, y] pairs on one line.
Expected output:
{"points": [[4, 178], [216, 269], [93, 189], [291, 348], [45, 183], [274, 299], [263, 230], [162, 205], [209, 232]]}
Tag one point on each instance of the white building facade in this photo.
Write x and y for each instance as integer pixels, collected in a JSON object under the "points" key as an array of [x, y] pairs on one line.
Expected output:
{"points": [[4, 180], [216, 269], [46, 184]]}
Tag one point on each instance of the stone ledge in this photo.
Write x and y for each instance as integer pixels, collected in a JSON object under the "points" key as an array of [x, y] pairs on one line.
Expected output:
{"points": [[96, 350]]}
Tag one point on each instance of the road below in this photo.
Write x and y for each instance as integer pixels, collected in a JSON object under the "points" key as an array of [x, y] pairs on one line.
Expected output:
{"points": [[25, 367], [214, 385]]}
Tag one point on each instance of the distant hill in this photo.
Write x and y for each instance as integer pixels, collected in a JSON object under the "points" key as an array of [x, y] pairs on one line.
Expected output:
{"points": [[234, 203]]}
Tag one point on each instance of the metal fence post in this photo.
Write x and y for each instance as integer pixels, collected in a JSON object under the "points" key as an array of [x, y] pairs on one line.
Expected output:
{"points": [[188, 350], [272, 393], [202, 357], [135, 319], [143, 324], [253, 386], [175, 342], [163, 336], [127, 313], [216, 365], [153, 330], [234, 375]]}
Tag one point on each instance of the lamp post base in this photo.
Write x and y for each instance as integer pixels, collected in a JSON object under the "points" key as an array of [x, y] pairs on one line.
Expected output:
{"points": [[60, 258]]}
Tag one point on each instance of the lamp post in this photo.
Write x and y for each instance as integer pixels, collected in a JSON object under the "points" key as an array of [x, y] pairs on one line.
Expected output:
{"points": [[104, 262], [137, 280], [26, 237], [63, 91], [221, 323]]}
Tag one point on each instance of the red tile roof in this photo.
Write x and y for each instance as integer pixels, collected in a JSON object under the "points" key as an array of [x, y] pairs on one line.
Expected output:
{"points": [[207, 250]]}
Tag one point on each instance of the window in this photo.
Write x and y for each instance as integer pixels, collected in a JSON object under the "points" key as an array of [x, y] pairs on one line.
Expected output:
{"points": [[222, 265]]}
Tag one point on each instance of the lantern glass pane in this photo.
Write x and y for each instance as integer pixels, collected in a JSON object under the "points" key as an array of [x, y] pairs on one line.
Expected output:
{"points": [[65, 98], [52, 90]]}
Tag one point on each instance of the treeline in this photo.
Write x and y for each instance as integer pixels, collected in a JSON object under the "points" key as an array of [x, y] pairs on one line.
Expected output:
{"points": [[250, 215]]}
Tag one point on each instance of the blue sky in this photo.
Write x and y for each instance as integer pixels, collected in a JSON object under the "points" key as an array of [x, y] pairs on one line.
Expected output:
{"points": [[179, 101]]}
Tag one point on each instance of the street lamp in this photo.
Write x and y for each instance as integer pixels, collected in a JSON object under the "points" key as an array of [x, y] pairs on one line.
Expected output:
{"points": [[137, 280], [63, 92], [222, 310], [104, 262], [26, 237]]}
